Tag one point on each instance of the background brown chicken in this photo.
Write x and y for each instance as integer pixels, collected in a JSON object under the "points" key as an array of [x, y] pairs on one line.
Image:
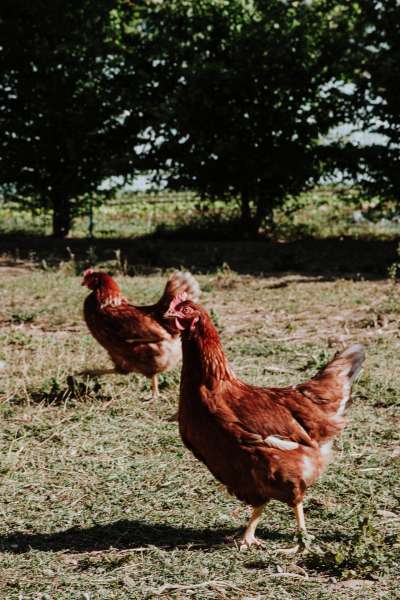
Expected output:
{"points": [[137, 338], [261, 443]]}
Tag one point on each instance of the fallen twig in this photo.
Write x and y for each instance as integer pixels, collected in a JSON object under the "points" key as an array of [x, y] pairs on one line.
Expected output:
{"points": [[169, 587]]}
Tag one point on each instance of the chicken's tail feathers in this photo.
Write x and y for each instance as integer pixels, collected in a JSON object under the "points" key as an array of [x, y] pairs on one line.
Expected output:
{"points": [[178, 283], [346, 364], [330, 388]]}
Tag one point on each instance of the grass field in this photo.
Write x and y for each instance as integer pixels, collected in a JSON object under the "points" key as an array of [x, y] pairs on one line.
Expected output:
{"points": [[320, 213], [100, 499]]}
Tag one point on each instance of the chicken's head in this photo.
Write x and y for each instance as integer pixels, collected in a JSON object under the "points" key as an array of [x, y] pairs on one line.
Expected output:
{"points": [[183, 313], [93, 279], [102, 283]]}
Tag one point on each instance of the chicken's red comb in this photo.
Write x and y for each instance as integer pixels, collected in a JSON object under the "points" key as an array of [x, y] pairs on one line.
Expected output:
{"points": [[88, 272], [177, 300]]}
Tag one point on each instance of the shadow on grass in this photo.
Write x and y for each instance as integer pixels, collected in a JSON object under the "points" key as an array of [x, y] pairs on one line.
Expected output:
{"points": [[124, 534], [59, 395], [331, 256]]}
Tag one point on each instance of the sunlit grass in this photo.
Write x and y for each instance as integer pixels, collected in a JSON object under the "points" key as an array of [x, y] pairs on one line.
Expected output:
{"points": [[321, 213], [100, 499]]}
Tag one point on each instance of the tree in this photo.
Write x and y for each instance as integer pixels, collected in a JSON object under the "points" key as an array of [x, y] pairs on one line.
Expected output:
{"points": [[66, 120], [250, 89], [376, 162]]}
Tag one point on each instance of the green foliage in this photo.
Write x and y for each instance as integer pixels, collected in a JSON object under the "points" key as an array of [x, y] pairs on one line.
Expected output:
{"points": [[233, 100], [376, 79], [249, 91], [23, 317], [362, 555], [321, 212], [55, 392], [63, 97], [315, 363]]}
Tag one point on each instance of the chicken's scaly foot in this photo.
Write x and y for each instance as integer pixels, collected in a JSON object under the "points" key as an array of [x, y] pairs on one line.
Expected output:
{"points": [[304, 539], [249, 541], [303, 545]]}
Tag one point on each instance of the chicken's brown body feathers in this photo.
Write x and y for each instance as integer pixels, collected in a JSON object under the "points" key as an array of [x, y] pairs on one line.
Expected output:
{"points": [[261, 443], [137, 338]]}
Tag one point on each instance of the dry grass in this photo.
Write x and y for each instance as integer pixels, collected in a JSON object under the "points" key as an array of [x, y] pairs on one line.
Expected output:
{"points": [[99, 498]]}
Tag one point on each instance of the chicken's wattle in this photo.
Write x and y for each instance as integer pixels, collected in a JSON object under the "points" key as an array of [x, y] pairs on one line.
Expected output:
{"points": [[178, 325]]}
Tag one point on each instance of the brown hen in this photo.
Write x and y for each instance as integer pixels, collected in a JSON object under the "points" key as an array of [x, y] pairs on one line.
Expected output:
{"points": [[261, 443], [137, 338]]}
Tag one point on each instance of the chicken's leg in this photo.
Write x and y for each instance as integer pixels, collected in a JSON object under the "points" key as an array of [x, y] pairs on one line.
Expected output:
{"points": [[154, 387], [248, 537], [304, 538], [300, 520]]}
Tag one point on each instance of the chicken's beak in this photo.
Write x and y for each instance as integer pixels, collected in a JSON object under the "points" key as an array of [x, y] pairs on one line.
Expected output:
{"points": [[170, 314]]}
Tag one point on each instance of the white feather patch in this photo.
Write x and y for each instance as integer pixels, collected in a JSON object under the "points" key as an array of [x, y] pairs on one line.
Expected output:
{"points": [[345, 399], [142, 341], [308, 468], [280, 443], [113, 301], [326, 449]]}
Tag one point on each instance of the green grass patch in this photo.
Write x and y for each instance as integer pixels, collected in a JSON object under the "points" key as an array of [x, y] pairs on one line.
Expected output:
{"points": [[99, 498], [324, 212]]}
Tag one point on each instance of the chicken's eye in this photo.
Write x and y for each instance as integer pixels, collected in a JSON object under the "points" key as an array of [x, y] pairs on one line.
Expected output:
{"points": [[185, 310]]}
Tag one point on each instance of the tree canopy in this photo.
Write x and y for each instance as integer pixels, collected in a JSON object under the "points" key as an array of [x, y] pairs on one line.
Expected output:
{"points": [[229, 98], [65, 119], [251, 88], [377, 81]]}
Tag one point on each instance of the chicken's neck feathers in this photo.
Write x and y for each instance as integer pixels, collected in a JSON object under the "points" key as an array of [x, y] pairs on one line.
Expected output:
{"points": [[109, 294], [203, 356]]}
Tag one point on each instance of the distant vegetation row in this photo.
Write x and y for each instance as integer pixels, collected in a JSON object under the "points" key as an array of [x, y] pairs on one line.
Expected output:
{"points": [[324, 212], [246, 102]]}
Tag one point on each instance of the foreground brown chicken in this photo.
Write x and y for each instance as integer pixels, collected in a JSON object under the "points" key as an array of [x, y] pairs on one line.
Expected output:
{"points": [[136, 337], [261, 443]]}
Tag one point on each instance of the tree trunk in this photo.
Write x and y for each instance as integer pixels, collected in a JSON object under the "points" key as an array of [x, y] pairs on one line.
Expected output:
{"points": [[62, 220], [264, 212], [245, 211], [251, 222]]}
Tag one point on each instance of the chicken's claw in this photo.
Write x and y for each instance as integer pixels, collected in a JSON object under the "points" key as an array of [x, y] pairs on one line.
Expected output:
{"points": [[303, 545], [249, 541]]}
